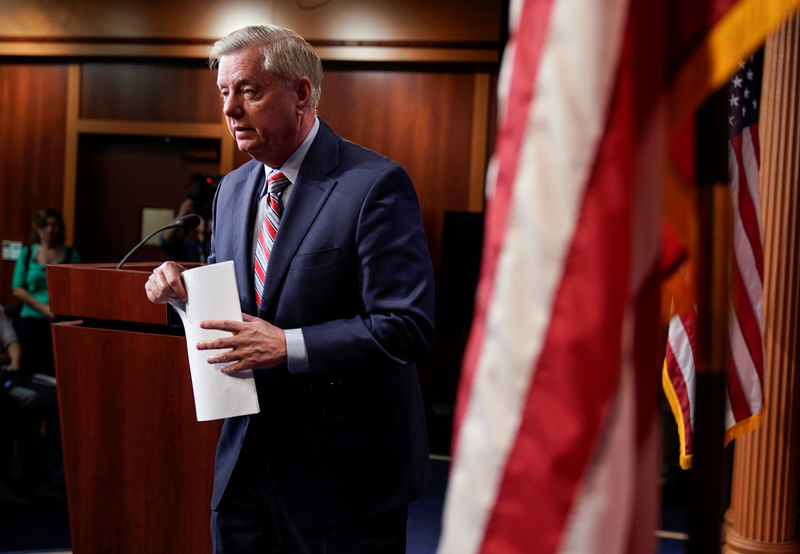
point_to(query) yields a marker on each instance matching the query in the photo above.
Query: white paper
(213, 294)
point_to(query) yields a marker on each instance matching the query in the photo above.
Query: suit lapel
(309, 194)
(243, 219)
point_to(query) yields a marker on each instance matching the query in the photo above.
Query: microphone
(189, 221)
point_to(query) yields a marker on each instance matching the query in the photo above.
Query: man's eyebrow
(246, 80)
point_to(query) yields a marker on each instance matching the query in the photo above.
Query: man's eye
(224, 94)
(249, 91)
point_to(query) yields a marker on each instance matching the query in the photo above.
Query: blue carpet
(424, 514)
(46, 528)
(424, 518)
(43, 527)
(671, 546)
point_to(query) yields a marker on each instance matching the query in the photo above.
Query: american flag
(556, 434)
(556, 405)
(745, 374)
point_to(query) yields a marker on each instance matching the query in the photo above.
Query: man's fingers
(252, 344)
(171, 275)
(234, 368)
(222, 325)
(221, 342)
(229, 357)
(160, 286)
(165, 283)
(216, 344)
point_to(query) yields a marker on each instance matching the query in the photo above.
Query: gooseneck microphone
(189, 221)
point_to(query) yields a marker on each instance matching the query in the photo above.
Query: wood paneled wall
(109, 108)
(158, 90)
(47, 27)
(433, 119)
(120, 175)
(32, 128)
(422, 119)
(120, 172)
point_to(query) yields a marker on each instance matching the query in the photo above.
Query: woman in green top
(30, 287)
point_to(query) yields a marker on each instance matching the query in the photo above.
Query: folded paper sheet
(213, 294)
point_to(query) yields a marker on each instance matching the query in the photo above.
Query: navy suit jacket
(350, 266)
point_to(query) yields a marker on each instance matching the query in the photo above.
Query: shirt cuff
(296, 355)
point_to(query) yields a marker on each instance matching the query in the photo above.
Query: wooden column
(762, 517)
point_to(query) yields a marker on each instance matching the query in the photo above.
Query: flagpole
(713, 212)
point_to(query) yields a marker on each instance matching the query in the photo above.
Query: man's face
(262, 113)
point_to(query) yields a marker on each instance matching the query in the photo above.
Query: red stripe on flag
(682, 394)
(747, 321)
(568, 400)
(756, 145)
(680, 377)
(689, 321)
(646, 356)
(529, 40)
(747, 210)
(738, 400)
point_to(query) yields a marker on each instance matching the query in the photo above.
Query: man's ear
(303, 90)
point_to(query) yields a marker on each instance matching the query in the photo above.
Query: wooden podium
(139, 466)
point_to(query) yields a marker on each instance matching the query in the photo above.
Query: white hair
(286, 54)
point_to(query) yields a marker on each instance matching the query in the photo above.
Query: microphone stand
(189, 221)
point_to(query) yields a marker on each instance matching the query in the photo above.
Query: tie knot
(276, 183)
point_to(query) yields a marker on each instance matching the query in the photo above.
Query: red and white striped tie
(276, 184)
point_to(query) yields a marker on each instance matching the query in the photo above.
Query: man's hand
(165, 284)
(255, 344)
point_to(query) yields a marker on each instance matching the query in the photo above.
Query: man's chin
(246, 146)
(259, 150)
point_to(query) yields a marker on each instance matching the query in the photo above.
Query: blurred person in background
(25, 403)
(30, 287)
(192, 245)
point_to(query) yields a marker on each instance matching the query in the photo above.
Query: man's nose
(231, 107)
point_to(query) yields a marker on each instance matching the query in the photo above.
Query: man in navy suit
(339, 448)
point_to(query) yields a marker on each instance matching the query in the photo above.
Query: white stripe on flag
(571, 96)
(606, 506)
(750, 163)
(730, 421)
(743, 364)
(743, 251)
(682, 349)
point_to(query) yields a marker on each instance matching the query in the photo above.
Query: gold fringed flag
(745, 373)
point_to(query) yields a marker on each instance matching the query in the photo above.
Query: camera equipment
(201, 193)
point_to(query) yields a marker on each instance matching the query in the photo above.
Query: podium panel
(139, 467)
